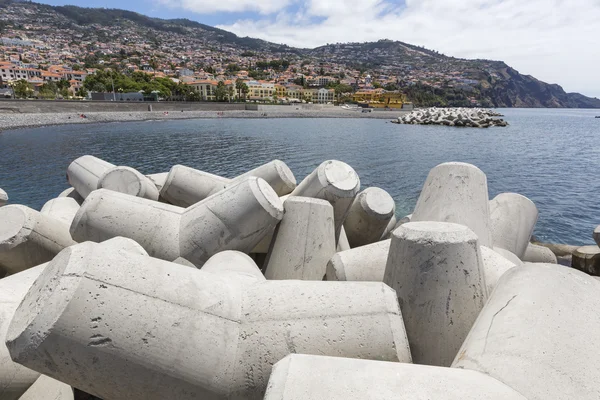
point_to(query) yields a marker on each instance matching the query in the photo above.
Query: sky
(556, 41)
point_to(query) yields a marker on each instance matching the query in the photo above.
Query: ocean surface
(550, 156)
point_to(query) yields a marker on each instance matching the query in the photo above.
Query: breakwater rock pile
(188, 285)
(461, 117)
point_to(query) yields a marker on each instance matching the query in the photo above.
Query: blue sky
(554, 40)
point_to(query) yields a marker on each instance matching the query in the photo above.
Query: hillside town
(38, 60)
(50, 52)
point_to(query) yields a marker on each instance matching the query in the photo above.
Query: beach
(10, 121)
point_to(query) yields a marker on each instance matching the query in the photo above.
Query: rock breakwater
(461, 117)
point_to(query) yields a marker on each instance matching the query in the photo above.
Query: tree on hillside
(238, 86)
(230, 93)
(22, 89)
(48, 90)
(220, 92)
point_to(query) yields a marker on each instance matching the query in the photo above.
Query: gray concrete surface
(303, 241)
(456, 192)
(306, 377)
(537, 334)
(29, 238)
(539, 254)
(438, 275)
(364, 263)
(336, 182)
(129, 181)
(128, 326)
(62, 209)
(512, 220)
(369, 216)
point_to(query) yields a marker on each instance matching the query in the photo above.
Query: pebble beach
(29, 120)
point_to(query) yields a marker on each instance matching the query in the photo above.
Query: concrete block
(3, 198)
(276, 173)
(343, 244)
(62, 209)
(303, 241)
(106, 214)
(597, 235)
(389, 228)
(71, 193)
(437, 272)
(29, 238)
(512, 220)
(158, 179)
(539, 254)
(508, 255)
(186, 186)
(234, 264)
(126, 326)
(587, 259)
(15, 379)
(494, 266)
(542, 319)
(456, 192)
(85, 172)
(335, 182)
(306, 377)
(129, 181)
(46, 388)
(369, 216)
(236, 218)
(364, 263)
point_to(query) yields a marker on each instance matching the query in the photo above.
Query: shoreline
(13, 121)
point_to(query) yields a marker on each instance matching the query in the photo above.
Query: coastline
(11, 121)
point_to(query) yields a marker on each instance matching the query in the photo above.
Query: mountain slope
(429, 77)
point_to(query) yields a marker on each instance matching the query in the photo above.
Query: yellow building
(280, 91)
(379, 98)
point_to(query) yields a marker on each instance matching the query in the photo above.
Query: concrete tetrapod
(29, 238)
(48, 388)
(14, 378)
(534, 334)
(508, 255)
(343, 244)
(129, 181)
(306, 377)
(186, 186)
(235, 263)
(158, 179)
(587, 259)
(158, 330)
(494, 266)
(539, 254)
(335, 182)
(106, 214)
(303, 241)
(62, 209)
(512, 220)
(276, 173)
(389, 228)
(363, 264)
(236, 218)
(369, 216)
(3, 198)
(71, 193)
(456, 192)
(437, 272)
(85, 172)
(597, 235)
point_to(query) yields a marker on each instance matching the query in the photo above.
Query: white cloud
(554, 40)
(213, 6)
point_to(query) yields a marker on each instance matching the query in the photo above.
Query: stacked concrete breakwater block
(121, 319)
(3, 198)
(189, 285)
(459, 117)
(306, 377)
